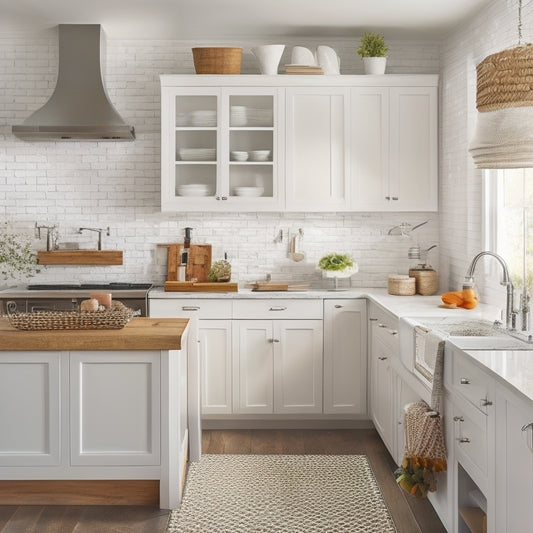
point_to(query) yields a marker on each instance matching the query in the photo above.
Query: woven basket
(217, 60)
(427, 281)
(115, 318)
(401, 285)
(505, 79)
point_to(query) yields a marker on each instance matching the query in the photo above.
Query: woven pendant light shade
(503, 137)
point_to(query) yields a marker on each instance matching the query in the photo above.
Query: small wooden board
(199, 262)
(192, 286)
(263, 286)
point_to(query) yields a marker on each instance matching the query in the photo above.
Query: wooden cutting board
(199, 262)
(191, 286)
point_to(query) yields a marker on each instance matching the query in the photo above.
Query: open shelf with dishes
(222, 144)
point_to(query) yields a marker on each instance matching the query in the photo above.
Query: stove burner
(113, 286)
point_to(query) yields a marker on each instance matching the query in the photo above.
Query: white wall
(117, 184)
(491, 30)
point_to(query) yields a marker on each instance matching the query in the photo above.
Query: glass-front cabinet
(220, 149)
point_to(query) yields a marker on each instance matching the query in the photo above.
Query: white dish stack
(193, 189)
(248, 116)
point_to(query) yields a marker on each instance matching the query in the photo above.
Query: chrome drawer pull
(465, 381)
(458, 419)
(337, 306)
(280, 308)
(373, 319)
(393, 332)
(485, 402)
(525, 427)
(190, 308)
(463, 440)
(273, 340)
(382, 358)
(380, 325)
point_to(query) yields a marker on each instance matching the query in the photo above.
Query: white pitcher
(269, 56)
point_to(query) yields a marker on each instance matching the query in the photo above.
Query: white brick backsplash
(75, 184)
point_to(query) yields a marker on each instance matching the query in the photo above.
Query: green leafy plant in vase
(373, 51)
(335, 265)
(17, 259)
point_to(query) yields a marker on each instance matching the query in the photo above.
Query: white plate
(248, 191)
(197, 154)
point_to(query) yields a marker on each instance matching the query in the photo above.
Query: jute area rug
(282, 494)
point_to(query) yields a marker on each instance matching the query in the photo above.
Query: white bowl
(248, 191)
(238, 155)
(259, 155)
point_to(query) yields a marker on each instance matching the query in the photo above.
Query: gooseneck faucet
(510, 314)
(100, 231)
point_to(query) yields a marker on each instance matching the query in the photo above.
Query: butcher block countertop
(138, 334)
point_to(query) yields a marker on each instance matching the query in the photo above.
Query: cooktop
(113, 286)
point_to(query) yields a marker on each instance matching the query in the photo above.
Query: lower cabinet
(30, 408)
(277, 366)
(345, 367)
(514, 462)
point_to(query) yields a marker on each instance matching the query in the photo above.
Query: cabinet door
(345, 356)
(215, 357)
(413, 148)
(253, 366)
(30, 408)
(316, 155)
(297, 366)
(381, 385)
(115, 408)
(514, 463)
(394, 148)
(369, 123)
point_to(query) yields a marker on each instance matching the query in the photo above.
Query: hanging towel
(425, 448)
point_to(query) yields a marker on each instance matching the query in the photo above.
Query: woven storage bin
(427, 281)
(401, 285)
(217, 60)
(504, 79)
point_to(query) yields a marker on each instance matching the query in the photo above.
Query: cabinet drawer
(277, 309)
(203, 309)
(470, 432)
(470, 382)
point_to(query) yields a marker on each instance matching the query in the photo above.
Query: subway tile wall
(492, 29)
(75, 184)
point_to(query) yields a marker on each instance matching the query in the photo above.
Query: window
(509, 209)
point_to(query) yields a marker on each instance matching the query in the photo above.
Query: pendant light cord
(519, 22)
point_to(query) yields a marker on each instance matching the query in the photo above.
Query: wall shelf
(80, 257)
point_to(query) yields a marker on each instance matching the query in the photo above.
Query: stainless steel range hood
(79, 108)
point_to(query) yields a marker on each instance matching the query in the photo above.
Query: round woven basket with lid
(427, 280)
(217, 60)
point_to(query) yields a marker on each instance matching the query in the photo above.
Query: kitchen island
(97, 416)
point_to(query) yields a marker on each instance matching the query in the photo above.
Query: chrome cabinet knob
(458, 419)
(465, 381)
(463, 440)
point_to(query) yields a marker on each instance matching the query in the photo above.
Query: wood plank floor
(410, 515)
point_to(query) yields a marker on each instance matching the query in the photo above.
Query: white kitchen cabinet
(514, 462)
(278, 366)
(345, 361)
(317, 149)
(394, 164)
(30, 408)
(384, 346)
(200, 128)
(211, 329)
(345, 143)
(115, 408)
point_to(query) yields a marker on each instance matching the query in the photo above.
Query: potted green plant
(17, 259)
(373, 50)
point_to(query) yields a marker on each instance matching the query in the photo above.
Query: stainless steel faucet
(510, 314)
(100, 231)
(51, 236)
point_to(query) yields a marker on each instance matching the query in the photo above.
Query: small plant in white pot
(337, 266)
(373, 50)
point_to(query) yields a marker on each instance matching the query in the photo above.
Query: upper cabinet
(299, 143)
(220, 149)
(394, 148)
(316, 173)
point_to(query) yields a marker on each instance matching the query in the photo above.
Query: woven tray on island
(114, 318)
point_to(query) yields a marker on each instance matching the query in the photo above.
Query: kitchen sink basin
(470, 328)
